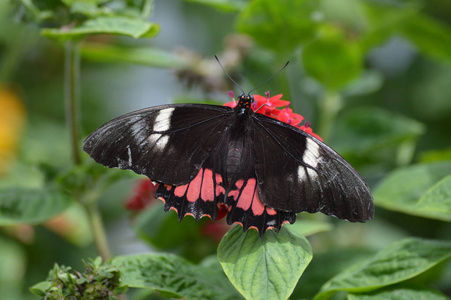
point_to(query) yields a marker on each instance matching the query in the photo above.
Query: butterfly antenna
(270, 78)
(217, 59)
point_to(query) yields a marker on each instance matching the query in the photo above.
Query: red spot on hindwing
(219, 188)
(180, 191)
(204, 195)
(257, 206)
(202, 187)
(208, 189)
(235, 193)
(247, 197)
(194, 187)
(271, 211)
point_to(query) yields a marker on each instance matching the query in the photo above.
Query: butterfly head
(245, 101)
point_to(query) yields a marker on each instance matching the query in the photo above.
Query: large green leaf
(429, 35)
(332, 59)
(422, 190)
(30, 206)
(279, 25)
(398, 262)
(397, 292)
(143, 56)
(133, 27)
(309, 227)
(172, 274)
(267, 267)
(365, 129)
(383, 20)
(326, 265)
(224, 5)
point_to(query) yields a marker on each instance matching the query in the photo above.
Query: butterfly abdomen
(233, 158)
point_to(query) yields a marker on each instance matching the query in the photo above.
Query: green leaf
(133, 9)
(279, 25)
(136, 28)
(436, 202)
(421, 190)
(40, 288)
(37, 14)
(142, 56)
(384, 20)
(30, 206)
(87, 8)
(401, 292)
(366, 129)
(429, 35)
(165, 232)
(172, 274)
(369, 82)
(13, 266)
(398, 262)
(332, 59)
(264, 268)
(349, 14)
(326, 265)
(308, 227)
(224, 5)
(88, 181)
(436, 155)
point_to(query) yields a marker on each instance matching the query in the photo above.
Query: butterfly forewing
(166, 143)
(296, 172)
(206, 157)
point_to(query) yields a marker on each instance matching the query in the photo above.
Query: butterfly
(205, 157)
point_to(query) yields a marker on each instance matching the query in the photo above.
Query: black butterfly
(207, 156)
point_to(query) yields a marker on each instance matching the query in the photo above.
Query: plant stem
(71, 84)
(98, 231)
(330, 105)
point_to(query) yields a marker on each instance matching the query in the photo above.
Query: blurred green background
(373, 77)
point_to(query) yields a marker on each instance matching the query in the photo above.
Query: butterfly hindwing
(243, 200)
(167, 143)
(200, 197)
(233, 184)
(247, 209)
(297, 172)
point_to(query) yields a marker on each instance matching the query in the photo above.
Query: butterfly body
(205, 156)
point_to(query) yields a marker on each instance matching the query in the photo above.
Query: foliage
(97, 282)
(372, 76)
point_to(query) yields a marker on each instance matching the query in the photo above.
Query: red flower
(143, 195)
(233, 103)
(309, 130)
(266, 105)
(287, 115)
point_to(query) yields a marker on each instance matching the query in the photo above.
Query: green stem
(71, 84)
(98, 231)
(330, 105)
